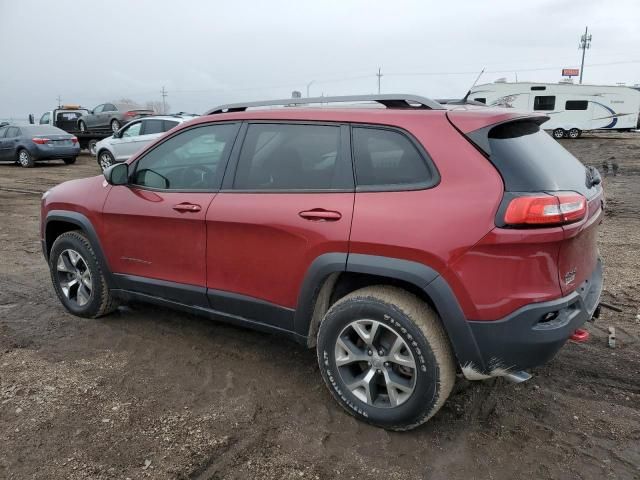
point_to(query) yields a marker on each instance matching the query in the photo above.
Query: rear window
(529, 160)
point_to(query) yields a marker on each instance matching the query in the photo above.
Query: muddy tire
(385, 357)
(77, 277)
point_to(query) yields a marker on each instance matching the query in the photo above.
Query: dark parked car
(110, 116)
(404, 244)
(30, 143)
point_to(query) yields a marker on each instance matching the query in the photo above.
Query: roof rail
(388, 100)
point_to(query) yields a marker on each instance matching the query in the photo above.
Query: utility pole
(585, 43)
(59, 100)
(379, 75)
(164, 102)
(308, 85)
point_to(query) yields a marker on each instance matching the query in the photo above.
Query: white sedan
(133, 137)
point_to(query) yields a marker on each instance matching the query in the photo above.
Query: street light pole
(308, 85)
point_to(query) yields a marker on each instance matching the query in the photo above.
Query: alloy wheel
(74, 277)
(375, 363)
(105, 161)
(23, 158)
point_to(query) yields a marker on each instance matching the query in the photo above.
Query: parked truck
(66, 118)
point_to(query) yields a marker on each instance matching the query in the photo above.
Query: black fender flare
(85, 225)
(420, 275)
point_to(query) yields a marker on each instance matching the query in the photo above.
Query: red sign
(570, 72)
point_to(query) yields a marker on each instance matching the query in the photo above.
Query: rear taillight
(546, 209)
(74, 140)
(40, 141)
(130, 114)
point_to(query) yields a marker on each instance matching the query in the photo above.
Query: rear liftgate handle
(320, 215)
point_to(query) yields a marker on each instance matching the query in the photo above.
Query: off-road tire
(25, 159)
(70, 161)
(417, 324)
(101, 301)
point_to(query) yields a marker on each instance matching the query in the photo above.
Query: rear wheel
(70, 161)
(115, 125)
(558, 133)
(385, 357)
(105, 160)
(91, 146)
(574, 133)
(25, 159)
(77, 278)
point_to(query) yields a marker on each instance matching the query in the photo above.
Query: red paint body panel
(143, 235)
(258, 245)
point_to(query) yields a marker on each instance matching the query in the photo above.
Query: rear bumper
(45, 152)
(524, 339)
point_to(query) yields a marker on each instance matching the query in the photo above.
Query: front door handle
(320, 214)
(187, 207)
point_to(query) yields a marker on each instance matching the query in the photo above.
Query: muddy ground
(149, 393)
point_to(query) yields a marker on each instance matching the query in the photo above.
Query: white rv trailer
(571, 108)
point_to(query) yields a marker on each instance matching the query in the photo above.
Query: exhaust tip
(517, 377)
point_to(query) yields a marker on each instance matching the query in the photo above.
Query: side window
(109, 107)
(152, 126)
(3, 131)
(132, 130)
(169, 124)
(481, 100)
(12, 132)
(191, 160)
(387, 158)
(576, 105)
(44, 119)
(98, 109)
(291, 157)
(544, 102)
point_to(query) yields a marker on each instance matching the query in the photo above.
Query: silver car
(133, 137)
(110, 116)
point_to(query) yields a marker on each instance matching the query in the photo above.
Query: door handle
(187, 207)
(320, 214)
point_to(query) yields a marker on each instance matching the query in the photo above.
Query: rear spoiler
(476, 128)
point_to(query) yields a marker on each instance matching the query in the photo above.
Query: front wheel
(115, 125)
(574, 133)
(77, 277)
(558, 133)
(385, 357)
(91, 146)
(105, 160)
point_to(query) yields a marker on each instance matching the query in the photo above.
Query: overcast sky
(211, 52)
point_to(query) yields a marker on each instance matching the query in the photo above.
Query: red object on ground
(580, 335)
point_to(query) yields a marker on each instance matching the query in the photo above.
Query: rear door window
(152, 126)
(12, 132)
(292, 157)
(386, 158)
(169, 124)
(544, 102)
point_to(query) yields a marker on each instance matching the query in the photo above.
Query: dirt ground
(150, 393)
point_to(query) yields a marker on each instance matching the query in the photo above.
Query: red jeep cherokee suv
(405, 243)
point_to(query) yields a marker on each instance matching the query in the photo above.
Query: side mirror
(32, 119)
(117, 174)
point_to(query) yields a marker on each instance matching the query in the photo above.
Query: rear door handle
(187, 207)
(320, 214)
